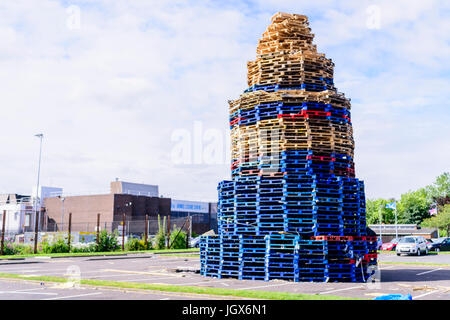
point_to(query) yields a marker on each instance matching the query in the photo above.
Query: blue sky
(110, 93)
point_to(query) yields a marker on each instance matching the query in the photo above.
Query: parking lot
(399, 275)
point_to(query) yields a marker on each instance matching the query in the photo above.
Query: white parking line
(109, 276)
(61, 273)
(387, 267)
(426, 294)
(75, 296)
(19, 269)
(344, 289)
(41, 293)
(34, 293)
(140, 279)
(32, 270)
(143, 273)
(41, 288)
(419, 274)
(270, 285)
(190, 283)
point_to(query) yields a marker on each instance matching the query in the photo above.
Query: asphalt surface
(442, 258)
(31, 290)
(421, 281)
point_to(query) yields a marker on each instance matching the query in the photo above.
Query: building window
(27, 221)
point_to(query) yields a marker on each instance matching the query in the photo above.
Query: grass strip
(252, 294)
(431, 253)
(415, 263)
(181, 255)
(88, 254)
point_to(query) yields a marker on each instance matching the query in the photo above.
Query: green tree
(413, 207)
(440, 221)
(439, 191)
(372, 211)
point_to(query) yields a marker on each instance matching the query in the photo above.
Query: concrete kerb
(178, 252)
(137, 255)
(116, 258)
(21, 262)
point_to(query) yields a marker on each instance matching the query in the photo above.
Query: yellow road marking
(142, 272)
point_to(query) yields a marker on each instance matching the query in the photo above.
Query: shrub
(84, 247)
(180, 241)
(159, 241)
(23, 249)
(59, 246)
(135, 245)
(160, 238)
(9, 248)
(107, 242)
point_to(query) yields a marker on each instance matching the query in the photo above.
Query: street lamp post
(40, 136)
(128, 204)
(379, 211)
(62, 213)
(396, 226)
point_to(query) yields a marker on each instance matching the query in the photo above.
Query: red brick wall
(84, 210)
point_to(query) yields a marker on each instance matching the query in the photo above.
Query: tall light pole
(40, 136)
(62, 213)
(396, 225)
(379, 212)
(128, 204)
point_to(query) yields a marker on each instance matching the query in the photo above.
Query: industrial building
(132, 199)
(388, 231)
(203, 214)
(20, 209)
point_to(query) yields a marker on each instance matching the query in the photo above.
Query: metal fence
(125, 229)
(132, 227)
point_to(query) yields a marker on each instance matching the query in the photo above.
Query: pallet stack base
(288, 257)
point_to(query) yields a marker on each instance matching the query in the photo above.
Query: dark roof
(402, 229)
(12, 197)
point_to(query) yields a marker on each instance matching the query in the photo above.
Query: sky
(138, 90)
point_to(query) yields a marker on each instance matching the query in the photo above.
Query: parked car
(441, 244)
(379, 243)
(412, 245)
(429, 244)
(195, 242)
(390, 246)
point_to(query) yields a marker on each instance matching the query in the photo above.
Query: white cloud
(109, 95)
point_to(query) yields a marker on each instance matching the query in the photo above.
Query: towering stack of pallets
(293, 209)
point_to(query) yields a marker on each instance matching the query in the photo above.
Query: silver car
(412, 245)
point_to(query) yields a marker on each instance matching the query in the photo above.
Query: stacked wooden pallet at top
(283, 134)
(286, 56)
(294, 209)
(292, 96)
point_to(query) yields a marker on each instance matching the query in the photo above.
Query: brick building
(132, 199)
(111, 207)
(388, 231)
